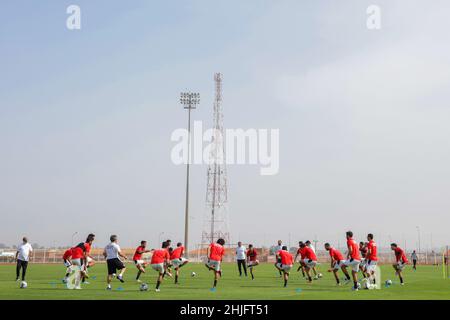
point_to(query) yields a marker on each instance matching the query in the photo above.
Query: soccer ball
(23, 285)
(193, 274)
(388, 282)
(143, 287)
(318, 276)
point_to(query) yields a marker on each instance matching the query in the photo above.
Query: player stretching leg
(79, 260)
(401, 259)
(371, 258)
(137, 258)
(67, 263)
(177, 260)
(168, 266)
(252, 259)
(299, 253)
(337, 262)
(160, 261)
(353, 258)
(89, 261)
(285, 266)
(215, 254)
(112, 253)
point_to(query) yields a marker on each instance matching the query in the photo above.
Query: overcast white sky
(86, 118)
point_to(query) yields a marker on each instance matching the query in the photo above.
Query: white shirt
(112, 251)
(24, 250)
(278, 248)
(312, 248)
(241, 253)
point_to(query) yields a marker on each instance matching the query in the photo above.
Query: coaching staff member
(112, 253)
(23, 254)
(241, 258)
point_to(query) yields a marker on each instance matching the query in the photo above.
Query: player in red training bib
(79, 263)
(252, 259)
(137, 258)
(363, 253)
(160, 261)
(89, 261)
(310, 245)
(309, 259)
(300, 252)
(169, 265)
(401, 261)
(353, 258)
(337, 262)
(215, 254)
(371, 259)
(177, 260)
(285, 265)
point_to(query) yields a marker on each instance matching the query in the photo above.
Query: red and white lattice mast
(216, 222)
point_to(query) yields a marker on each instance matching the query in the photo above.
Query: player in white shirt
(414, 259)
(23, 254)
(241, 258)
(112, 253)
(309, 244)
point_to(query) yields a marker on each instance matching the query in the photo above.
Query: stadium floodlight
(189, 100)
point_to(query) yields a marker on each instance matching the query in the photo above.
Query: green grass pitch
(44, 282)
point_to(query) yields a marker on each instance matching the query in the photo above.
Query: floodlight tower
(216, 224)
(189, 100)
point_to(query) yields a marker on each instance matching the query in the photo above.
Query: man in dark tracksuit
(241, 258)
(23, 254)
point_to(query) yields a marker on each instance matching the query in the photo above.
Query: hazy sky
(86, 118)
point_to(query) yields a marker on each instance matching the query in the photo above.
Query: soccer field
(44, 282)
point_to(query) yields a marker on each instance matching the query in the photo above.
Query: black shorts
(22, 263)
(114, 265)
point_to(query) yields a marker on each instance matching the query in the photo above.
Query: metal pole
(418, 238)
(186, 215)
(213, 203)
(418, 232)
(189, 100)
(431, 241)
(159, 239)
(73, 235)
